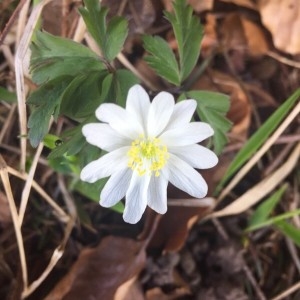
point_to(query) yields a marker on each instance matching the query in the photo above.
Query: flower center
(147, 155)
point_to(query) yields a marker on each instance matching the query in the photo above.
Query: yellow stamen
(147, 155)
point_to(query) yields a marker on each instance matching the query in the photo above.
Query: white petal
(105, 165)
(115, 188)
(157, 194)
(184, 177)
(160, 112)
(136, 198)
(104, 137)
(182, 114)
(187, 134)
(197, 156)
(138, 104)
(119, 119)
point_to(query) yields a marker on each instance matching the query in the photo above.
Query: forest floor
(87, 252)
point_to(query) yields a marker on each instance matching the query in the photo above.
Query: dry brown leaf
(130, 290)
(198, 6)
(240, 111)
(210, 39)
(240, 33)
(157, 294)
(98, 272)
(256, 40)
(141, 14)
(282, 18)
(174, 226)
(245, 3)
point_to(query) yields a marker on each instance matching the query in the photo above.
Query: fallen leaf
(157, 294)
(129, 290)
(210, 40)
(98, 272)
(141, 14)
(282, 18)
(240, 111)
(256, 40)
(245, 3)
(198, 6)
(174, 226)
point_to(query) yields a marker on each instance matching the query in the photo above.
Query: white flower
(148, 145)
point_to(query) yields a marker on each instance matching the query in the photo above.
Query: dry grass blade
(288, 292)
(252, 196)
(15, 218)
(17, 221)
(19, 69)
(294, 113)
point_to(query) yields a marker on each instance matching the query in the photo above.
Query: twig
(11, 21)
(15, 218)
(284, 60)
(287, 292)
(255, 285)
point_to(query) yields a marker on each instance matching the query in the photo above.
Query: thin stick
(28, 184)
(244, 170)
(287, 292)
(20, 84)
(63, 216)
(11, 21)
(15, 218)
(255, 285)
(7, 122)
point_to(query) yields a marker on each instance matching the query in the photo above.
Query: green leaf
(274, 220)
(212, 108)
(264, 210)
(51, 141)
(92, 192)
(7, 96)
(259, 137)
(162, 59)
(56, 56)
(188, 32)
(115, 86)
(110, 36)
(72, 142)
(82, 96)
(123, 81)
(44, 102)
(290, 231)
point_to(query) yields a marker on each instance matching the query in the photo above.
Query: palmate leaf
(82, 96)
(55, 56)
(110, 36)
(116, 85)
(162, 59)
(45, 102)
(188, 32)
(212, 108)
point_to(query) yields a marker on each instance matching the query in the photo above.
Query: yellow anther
(147, 156)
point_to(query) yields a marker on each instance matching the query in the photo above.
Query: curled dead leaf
(245, 3)
(98, 272)
(282, 18)
(240, 111)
